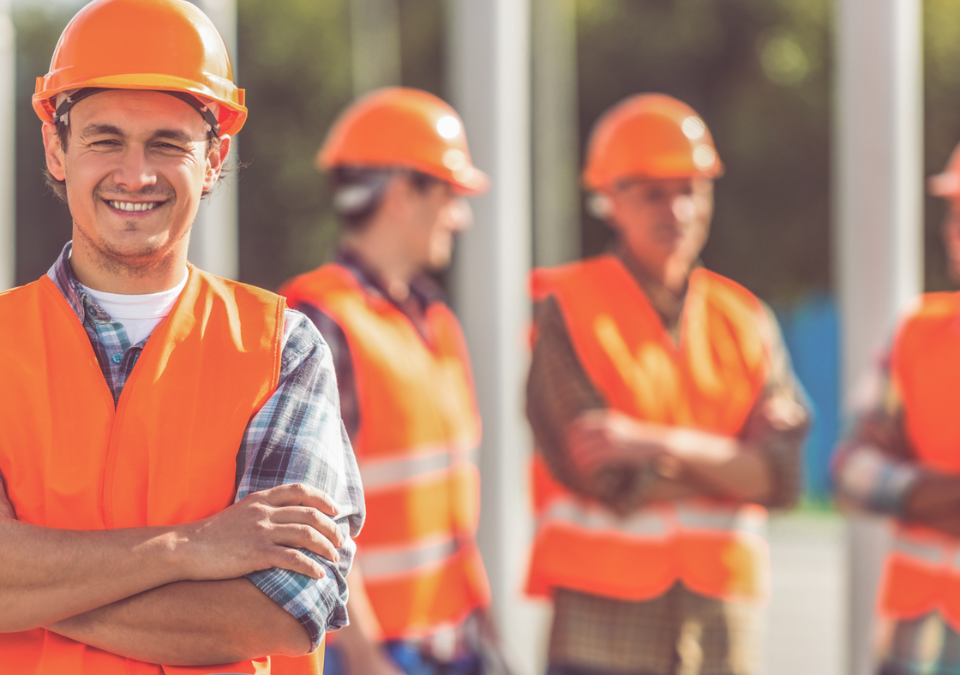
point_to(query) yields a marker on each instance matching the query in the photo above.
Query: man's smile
(133, 207)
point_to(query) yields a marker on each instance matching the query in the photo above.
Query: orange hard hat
(400, 127)
(162, 45)
(947, 183)
(649, 136)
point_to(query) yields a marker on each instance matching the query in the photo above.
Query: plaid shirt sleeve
(874, 467)
(298, 437)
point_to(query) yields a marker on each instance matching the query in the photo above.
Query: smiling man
(666, 415)
(179, 488)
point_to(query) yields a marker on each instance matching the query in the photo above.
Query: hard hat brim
(233, 113)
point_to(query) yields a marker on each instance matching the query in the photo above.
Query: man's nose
(461, 214)
(134, 171)
(683, 208)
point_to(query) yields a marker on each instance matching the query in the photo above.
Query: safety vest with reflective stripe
(416, 446)
(922, 571)
(165, 454)
(710, 382)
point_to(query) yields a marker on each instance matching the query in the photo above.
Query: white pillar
(878, 213)
(490, 84)
(556, 186)
(8, 135)
(374, 44)
(214, 242)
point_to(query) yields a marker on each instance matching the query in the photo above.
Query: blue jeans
(408, 658)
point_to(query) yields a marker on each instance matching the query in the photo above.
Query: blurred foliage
(941, 56)
(294, 64)
(757, 70)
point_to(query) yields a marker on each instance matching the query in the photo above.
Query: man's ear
(215, 160)
(56, 162)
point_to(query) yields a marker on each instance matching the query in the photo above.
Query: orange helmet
(947, 183)
(649, 136)
(399, 127)
(163, 45)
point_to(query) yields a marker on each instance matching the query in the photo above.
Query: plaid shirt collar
(63, 277)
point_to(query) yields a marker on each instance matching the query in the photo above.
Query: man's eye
(169, 146)
(104, 143)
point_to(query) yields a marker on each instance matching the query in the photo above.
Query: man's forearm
(191, 623)
(722, 466)
(49, 574)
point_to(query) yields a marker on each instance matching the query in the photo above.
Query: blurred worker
(665, 414)
(902, 459)
(179, 489)
(400, 168)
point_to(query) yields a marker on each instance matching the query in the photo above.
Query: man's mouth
(133, 206)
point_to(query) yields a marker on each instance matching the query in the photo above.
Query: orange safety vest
(167, 453)
(416, 447)
(709, 382)
(922, 571)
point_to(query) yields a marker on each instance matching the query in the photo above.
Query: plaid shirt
(874, 469)
(296, 437)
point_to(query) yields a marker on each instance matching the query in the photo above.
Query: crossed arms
(172, 595)
(625, 463)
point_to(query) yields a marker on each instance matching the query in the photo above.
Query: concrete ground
(806, 619)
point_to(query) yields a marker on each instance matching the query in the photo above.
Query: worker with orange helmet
(666, 417)
(178, 489)
(901, 459)
(401, 170)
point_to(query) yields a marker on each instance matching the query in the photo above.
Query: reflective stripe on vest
(923, 567)
(415, 446)
(414, 465)
(165, 455)
(572, 512)
(710, 381)
(390, 562)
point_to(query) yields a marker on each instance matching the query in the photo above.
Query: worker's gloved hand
(6, 508)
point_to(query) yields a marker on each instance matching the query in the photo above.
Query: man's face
(435, 215)
(662, 222)
(136, 166)
(951, 238)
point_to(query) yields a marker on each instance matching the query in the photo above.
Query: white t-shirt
(138, 314)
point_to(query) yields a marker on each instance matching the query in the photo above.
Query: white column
(878, 213)
(8, 135)
(214, 242)
(374, 44)
(490, 83)
(556, 186)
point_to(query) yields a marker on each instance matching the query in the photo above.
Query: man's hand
(599, 438)
(264, 530)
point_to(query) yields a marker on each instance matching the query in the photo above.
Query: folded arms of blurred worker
(624, 463)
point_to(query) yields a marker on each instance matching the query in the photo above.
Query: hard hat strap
(62, 113)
